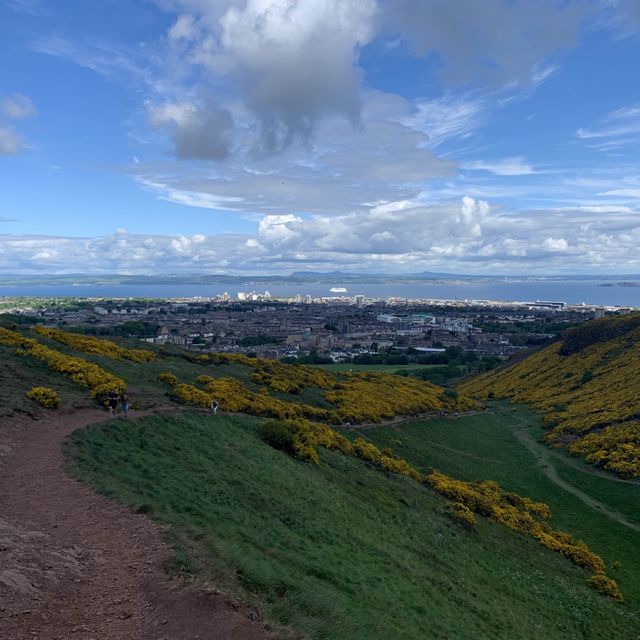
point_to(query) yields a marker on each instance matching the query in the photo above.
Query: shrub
(605, 585)
(192, 395)
(45, 397)
(461, 514)
(168, 378)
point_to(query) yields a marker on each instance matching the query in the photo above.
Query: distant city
(337, 327)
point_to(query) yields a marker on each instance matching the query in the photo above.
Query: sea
(571, 292)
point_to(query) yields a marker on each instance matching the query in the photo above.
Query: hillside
(304, 517)
(588, 388)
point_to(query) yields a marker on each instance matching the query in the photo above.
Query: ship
(338, 290)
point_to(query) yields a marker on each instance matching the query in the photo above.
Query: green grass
(341, 367)
(340, 550)
(485, 446)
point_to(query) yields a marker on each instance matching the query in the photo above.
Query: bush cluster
(287, 378)
(89, 344)
(232, 395)
(375, 396)
(86, 374)
(358, 398)
(189, 394)
(45, 397)
(301, 438)
(167, 378)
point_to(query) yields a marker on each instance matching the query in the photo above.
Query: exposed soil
(73, 564)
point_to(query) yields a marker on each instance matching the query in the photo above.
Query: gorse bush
(287, 378)
(590, 397)
(375, 396)
(167, 378)
(99, 346)
(605, 585)
(461, 514)
(189, 394)
(45, 397)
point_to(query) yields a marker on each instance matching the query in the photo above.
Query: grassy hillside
(358, 544)
(338, 550)
(588, 388)
(503, 444)
(239, 383)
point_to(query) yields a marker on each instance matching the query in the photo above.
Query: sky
(272, 136)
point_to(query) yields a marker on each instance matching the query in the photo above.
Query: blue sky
(228, 136)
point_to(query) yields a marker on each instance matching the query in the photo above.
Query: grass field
(503, 445)
(341, 550)
(341, 367)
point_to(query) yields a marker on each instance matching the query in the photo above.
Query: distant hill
(588, 387)
(302, 277)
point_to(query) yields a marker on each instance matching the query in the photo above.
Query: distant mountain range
(331, 277)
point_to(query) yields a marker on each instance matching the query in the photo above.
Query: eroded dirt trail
(76, 565)
(545, 460)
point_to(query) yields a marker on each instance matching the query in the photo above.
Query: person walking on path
(124, 403)
(214, 407)
(113, 402)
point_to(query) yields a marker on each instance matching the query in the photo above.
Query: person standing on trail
(124, 403)
(113, 402)
(214, 407)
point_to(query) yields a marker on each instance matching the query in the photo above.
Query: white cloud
(384, 161)
(200, 130)
(450, 117)
(293, 62)
(458, 236)
(10, 142)
(17, 106)
(555, 244)
(517, 166)
(616, 129)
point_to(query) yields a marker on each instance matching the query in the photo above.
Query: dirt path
(76, 565)
(543, 457)
(403, 419)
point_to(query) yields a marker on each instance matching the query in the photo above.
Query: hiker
(214, 407)
(124, 403)
(113, 402)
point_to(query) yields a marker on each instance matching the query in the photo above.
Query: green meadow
(339, 550)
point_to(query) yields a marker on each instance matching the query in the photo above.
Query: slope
(337, 550)
(588, 388)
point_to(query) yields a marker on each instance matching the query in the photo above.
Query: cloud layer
(469, 236)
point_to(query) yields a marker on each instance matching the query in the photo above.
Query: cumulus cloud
(200, 131)
(17, 106)
(385, 160)
(464, 236)
(293, 62)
